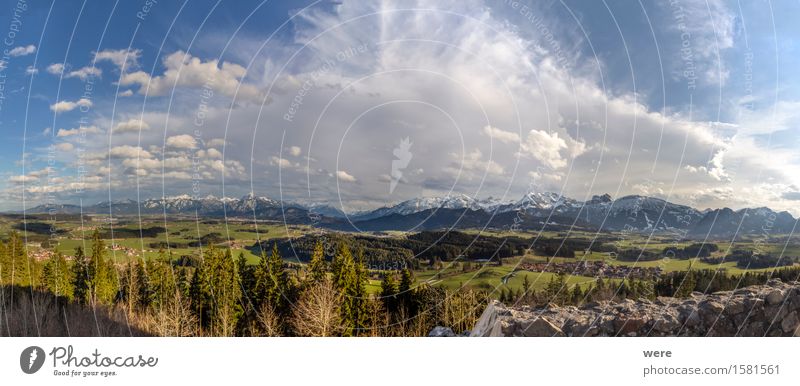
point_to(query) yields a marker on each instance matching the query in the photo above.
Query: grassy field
(494, 278)
(240, 235)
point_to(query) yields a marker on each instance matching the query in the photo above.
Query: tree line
(223, 295)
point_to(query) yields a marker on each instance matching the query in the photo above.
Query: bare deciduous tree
(317, 312)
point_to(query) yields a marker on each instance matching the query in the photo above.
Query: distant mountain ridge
(533, 211)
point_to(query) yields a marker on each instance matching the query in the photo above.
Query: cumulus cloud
(83, 73)
(183, 141)
(130, 126)
(22, 179)
(500, 135)
(124, 59)
(64, 106)
(125, 93)
(280, 162)
(545, 147)
(127, 151)
(65, 146)
(30, 70)
(184, 70)
(345, 176)
(55, 68)
(295, 151)
(79, 130)
(215, 142)
(22, 50)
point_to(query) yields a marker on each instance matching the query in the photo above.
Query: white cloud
(183, 70)
(344, 176)
(22, 179)
(501, 135)
(130, 126)
(55, 68)
(65, 106)
(124, 59)
(142, 163)
(127, 151)
(76, 131)
(295, 151)
(183, 141)
(31, 70)
(215, 142)
(22, 50)
(125, 93)
(474, 163)
(84, 72)
(280, 162)
(213, 153)
(545, 147)
(65, 146)
(181, 162)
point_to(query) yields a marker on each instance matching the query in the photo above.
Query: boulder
(772, 309)
(440, 331)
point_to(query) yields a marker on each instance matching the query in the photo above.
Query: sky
(362, 104)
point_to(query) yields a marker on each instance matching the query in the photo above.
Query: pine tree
(405, 290)
(577, 295)
(261, 279)
(272, 280)
(102, 275)
(224, 291)
(348, 281)
(57, 277)
(199, 294)
(526, 287)
(316, 267)
(81, 277)
(247, 277)
(18, 268)
(134, 285)
(161, 280)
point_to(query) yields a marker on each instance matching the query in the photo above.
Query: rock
(790, 323)
(666, 323)
(763, 310)
(440, 331)
(627, 325)
(734, 307)
(486, 323)
(538, 327)
(774, 297)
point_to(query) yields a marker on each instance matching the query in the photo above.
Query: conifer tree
(81, 277)
(161, 280)
(279, 280)
(224, 291)
(199, 294)
(134, 286)
(57, 277)
(17, 267)
(316, 267)
(102, 275)
(406, 284)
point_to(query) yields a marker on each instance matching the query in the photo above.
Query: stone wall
(772, 309)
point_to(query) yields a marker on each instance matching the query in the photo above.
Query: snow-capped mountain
(535, 209)
(416, 205)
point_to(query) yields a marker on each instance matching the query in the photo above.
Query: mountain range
(533, 211)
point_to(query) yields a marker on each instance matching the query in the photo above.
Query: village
(593, 269)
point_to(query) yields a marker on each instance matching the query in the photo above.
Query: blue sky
(695, 102)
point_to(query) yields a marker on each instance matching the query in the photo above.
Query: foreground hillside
(772, 309)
